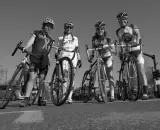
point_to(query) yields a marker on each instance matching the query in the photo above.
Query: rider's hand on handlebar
(99, 46)
(91, 59)
(134, 44)
(24, 49)
(56, 55)
(79, 63)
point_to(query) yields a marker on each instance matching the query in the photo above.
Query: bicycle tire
(85, 88)
(54, 83)
(158, 91)
(101, 80)
(122, 88)
(132, 63)
(10, 89)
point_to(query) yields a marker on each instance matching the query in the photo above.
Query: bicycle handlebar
(127, 45)
(18, 45)
(116, 43)
(56, 47)
(95, 49)
(21, 48)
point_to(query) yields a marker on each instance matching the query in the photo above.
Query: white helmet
(48, 20)
(68, 24)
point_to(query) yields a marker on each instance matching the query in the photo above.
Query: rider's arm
(110, 43)
(137, 35)
(59, 44)
(49, 56)
(30, 41)
(120, 42)
(119, 39)
(93, 46)
(77, 48)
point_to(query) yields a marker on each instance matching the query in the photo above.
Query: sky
(20, 17)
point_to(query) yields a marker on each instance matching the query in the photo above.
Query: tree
(3, 74)
(148, 70)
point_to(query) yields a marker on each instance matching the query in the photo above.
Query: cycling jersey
(41, 40)
(130, 30)
(128, 35)
(41, 47)
(97, 43)
(69, 44)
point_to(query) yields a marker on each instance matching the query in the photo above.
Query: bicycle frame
(57, 65)
(98, 59)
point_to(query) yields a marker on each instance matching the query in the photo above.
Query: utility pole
(6, 76)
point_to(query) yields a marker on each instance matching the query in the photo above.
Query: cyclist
(129, 34)
(41, 43)
(69, 43)
(100, 39)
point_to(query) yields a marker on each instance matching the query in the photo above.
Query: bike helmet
(122, 15)
(48, 20)
(100, 25)
(68, 24)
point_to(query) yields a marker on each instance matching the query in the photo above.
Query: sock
(27, 98)
(112, 93)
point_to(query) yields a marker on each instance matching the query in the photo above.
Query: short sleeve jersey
(41, 47)
(42, 44)
(68, 43)
(96, 43)
(128, 30)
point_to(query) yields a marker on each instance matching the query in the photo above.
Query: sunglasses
(100, 29)
(69, 27)
(122, 19)
(49, 25)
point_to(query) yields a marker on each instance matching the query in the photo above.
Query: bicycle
(60, 87)
(102, 77)
(18, 80)
(129, 79)
(87, 88)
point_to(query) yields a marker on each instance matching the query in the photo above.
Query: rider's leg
(42, 76)
(29, 86)
(109, 72)
(93, 75)
(74, 62)
(66, 74)
(72, 89)
(20, 89)
(141, 70)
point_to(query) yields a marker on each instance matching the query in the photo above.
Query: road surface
(119, 115)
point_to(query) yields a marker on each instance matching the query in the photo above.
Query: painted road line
(30, 117)
(12, 112)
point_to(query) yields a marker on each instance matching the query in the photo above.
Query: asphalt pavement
(118, 115)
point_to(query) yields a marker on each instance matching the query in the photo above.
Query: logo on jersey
(47, 40)
(127, 37)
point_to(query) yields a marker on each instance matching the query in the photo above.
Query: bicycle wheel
(86, 87)
(9, 91)
(133, 80)
(123, 81)
(102, 80)
(62, 81)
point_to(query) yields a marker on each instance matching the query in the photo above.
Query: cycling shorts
(34, 67)
(139, 55)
